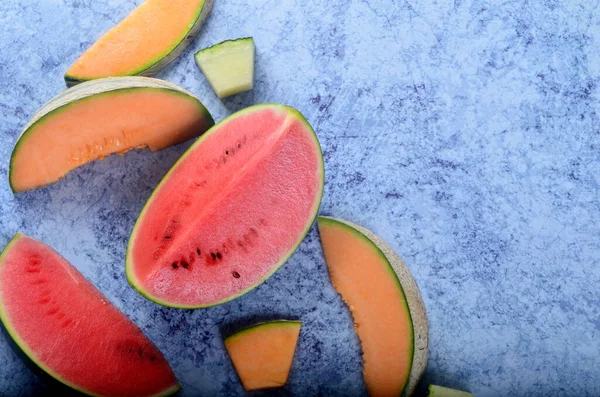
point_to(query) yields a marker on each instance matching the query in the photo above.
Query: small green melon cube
(228, 66)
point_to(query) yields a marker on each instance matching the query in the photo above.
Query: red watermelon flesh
(230, 212)
(70, 330)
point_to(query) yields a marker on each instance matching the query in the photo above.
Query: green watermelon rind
(291, 112)
(29, 356)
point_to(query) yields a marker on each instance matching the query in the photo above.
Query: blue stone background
(466, 133)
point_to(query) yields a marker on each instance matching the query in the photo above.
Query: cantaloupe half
(263, 354)
(148, 39)
(99, 118)
(388, 311)
(440, 391)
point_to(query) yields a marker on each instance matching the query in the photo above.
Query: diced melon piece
(440, 391)
(228, 66)
(385, 302)
(263, 354)
(146, 41)
(99, 118)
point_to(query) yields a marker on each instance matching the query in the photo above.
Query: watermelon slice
(230, 211)
(68, 329)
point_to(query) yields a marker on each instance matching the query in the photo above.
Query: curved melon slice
(99, 118)
(146, 41)
(263, 354)
(230, 212)
(385, 302)
(68, 329)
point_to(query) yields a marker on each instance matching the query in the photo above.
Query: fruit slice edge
(440, 391)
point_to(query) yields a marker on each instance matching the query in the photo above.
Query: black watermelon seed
(185, 265)
(213, 256)
(219, 255)
(236, 275)
(167, 237)
(175, 265)
(198, 251)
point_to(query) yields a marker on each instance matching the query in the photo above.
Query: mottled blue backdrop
(466, 133)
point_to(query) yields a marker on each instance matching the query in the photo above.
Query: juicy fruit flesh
(366, 282)
(263, 355)
(228, 66)
(148, 34)
(229, 212)
(97, 126)
(65, 324)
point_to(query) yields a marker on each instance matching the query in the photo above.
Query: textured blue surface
(466, 133)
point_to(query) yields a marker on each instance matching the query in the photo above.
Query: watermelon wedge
(230, 212)
(64, 326)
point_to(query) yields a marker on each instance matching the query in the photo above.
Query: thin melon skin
(412, 293)
(129, 255)
(52, 380)
(440, 391)
(92, 89)
(265, 324)
(160, 63)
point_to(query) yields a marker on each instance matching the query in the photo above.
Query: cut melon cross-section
(99, 118)
(65, 328)
(146, 41)
(385, 302)
(228, 66)
(263, 354)
(230, 212)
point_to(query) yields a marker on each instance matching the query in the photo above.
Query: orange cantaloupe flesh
(367, 283)
(142, 39)
(97, 126)
(263, 354)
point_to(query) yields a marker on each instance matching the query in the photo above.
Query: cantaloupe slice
(440, 391)
(388, 311)
(148, 39)
(228, 66)
(263, 354)
(99, 118)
